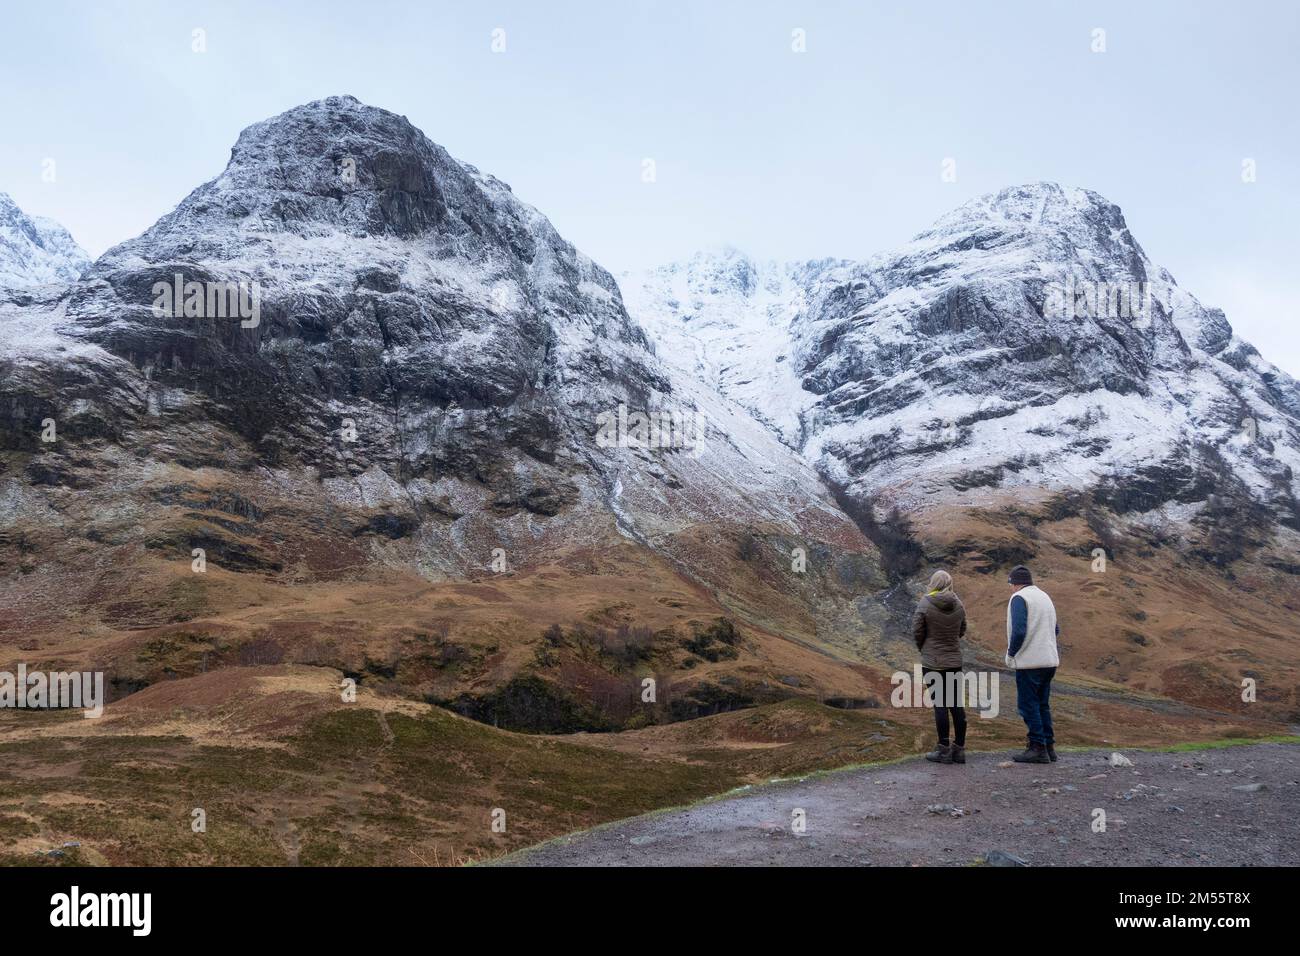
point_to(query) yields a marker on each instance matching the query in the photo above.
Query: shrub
(714, 643)
(260, 651)
(748, 548)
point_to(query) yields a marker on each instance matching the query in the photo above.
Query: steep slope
(391, 427)
(730, 322)
(1025, 340)
(1021, 383)
(353, 365)
(35, 250)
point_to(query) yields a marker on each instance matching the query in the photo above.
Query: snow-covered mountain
(382, 400)
(405, 339)
(1024, 340)
(728, 321)
(35, 250)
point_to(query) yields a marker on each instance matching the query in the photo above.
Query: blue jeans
(1033, 687)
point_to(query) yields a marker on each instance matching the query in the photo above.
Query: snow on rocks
(1023, 340)
(35, 250)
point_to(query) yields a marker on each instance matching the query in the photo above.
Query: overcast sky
(836, 151)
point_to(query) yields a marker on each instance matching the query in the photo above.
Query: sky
(838, 150)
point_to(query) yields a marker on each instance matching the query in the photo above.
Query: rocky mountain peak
(725, 269)
(420, 340)
(345, 164)
(339, 167)
(1042, 203)
(1066, 228)
(1024, 339)
(383, 267)
(35, 250)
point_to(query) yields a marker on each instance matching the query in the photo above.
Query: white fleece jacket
(1039, 647)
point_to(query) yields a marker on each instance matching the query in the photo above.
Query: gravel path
(1229, 806)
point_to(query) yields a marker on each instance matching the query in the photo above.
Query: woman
(937, 628)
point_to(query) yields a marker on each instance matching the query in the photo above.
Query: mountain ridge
(429, 459)
(35, 250)
(420, 394)
(864, 343)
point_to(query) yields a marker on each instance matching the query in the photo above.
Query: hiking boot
(958, 753)
(942, 755)
(1034, 753)
(1051, 753)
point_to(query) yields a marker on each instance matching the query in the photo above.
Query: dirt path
(1168, 809)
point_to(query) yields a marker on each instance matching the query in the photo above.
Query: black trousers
(945, 703)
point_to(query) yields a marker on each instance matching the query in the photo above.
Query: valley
(401, 477)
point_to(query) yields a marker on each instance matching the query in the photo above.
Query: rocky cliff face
(352, 372)
(396, 288)
(350, 351)
(1025, 340)
(35, 250)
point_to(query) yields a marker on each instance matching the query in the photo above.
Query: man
(1031, 649)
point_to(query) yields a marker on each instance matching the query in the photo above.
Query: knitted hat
(1020, 575)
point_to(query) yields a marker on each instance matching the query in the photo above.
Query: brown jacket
(937, 628)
